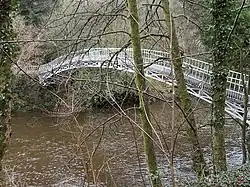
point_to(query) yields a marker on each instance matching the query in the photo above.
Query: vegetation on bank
(236, 177)
(30, 96)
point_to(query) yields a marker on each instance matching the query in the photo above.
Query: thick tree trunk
(6, 52)
(219, 97)
(221, 29)
(140, 83)
(199, 164)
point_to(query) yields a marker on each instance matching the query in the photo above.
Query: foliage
(239, 40)
(34, 11)
(29, 96)
(238, 177)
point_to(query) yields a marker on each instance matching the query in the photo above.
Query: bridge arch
(157, 66)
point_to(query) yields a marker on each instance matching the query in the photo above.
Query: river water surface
(46, 151)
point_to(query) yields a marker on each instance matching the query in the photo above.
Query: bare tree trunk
(172, 172)
(6, 52)
(199, 164)
(140, 83)
(244, 123)
(248, 144)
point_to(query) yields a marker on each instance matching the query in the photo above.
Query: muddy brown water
(46, 151)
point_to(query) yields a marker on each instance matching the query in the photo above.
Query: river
(46, 151)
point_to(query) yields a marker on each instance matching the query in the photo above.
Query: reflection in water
(48, 152)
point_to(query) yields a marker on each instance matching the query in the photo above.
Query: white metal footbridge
(157, 66)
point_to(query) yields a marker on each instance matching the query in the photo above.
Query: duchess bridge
(157, 66)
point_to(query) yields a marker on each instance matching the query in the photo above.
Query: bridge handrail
(196, 70)
(199, 68)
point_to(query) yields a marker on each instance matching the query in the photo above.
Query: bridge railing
(202, 71)
(197, 73)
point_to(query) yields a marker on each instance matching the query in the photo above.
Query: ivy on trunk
(221, 24)
(6, 53)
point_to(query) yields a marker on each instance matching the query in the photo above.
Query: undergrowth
(237, 177)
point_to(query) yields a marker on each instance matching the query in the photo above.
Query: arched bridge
(157, 66)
